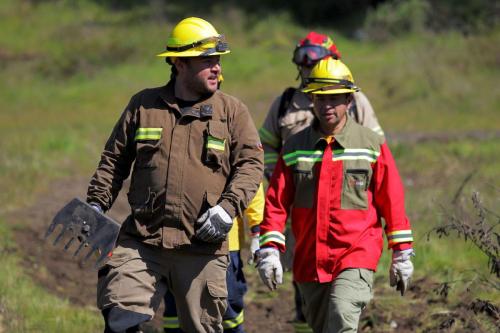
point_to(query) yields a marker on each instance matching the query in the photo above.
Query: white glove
(401, 270)
(254, 247)
(214, 225)
(269, 266)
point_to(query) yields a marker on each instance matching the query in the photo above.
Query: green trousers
(336, 306)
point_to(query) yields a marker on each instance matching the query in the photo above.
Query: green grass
(68, 74)
(27, 307)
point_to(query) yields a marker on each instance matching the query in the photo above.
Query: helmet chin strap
(299, 76)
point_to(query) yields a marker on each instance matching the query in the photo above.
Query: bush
(469, 16)
(478, 225)
(394, 18)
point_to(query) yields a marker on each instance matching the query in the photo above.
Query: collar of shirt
(342, 138)
(201, 108)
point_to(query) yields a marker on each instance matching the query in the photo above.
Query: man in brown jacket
(197, 162)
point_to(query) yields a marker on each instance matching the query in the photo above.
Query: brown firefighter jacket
(185, 162)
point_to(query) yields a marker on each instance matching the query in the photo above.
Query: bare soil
(62, 275)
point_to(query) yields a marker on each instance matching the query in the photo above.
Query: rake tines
(90, 228)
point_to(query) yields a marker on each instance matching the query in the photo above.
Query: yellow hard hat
(330, 76)
(195, 37)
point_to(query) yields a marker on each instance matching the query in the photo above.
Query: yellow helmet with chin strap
(330, 76)
(195, 37)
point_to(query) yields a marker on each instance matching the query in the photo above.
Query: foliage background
(430, 69)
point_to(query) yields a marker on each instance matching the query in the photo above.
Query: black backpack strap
(353, 110)
(286, 99)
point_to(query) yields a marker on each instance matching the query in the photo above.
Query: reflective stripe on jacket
(184, 163)
(337, 193)
(276, 130)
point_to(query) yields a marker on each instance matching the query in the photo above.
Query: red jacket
(337, 193)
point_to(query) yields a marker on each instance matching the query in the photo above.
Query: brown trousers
(138, 275)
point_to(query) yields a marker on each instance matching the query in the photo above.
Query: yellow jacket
(253, 215)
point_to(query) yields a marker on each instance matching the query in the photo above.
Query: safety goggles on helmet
(209, 45)
(308, 55)
(324, 85)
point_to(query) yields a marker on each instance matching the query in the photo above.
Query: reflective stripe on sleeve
(270, 158)
(399, 236)
(272, 236)
(171, 322)
(302, 327)
(269, 138)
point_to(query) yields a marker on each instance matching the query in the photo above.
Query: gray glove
(254, 247)
(214, 225)
(269, 266)
(401, 270)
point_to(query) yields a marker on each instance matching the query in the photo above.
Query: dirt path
(59, 273)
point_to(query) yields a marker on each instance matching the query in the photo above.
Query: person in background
(336, 179)
(292, 111)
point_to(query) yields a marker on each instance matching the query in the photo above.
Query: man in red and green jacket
(336, 179)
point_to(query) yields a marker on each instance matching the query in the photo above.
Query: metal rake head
(87, 227)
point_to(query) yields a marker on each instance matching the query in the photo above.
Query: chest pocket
(148, 141)
(355, 187)
(305, 185)
(216, 145)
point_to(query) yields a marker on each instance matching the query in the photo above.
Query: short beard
(199, 86)
(193, 83)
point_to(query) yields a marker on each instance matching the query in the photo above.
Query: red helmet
(314, 48)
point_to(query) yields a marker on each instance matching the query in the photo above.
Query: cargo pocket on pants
(108, 277)
(215, 304)
(366, 276)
